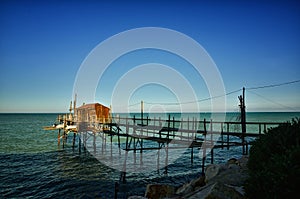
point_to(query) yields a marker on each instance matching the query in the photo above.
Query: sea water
(33, 165)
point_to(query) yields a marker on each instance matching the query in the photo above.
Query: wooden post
(141, 152)
(160, 127)
(173, 122)
(74, 137)
(212, 155)
(243, 111)
(222, 137)
(94, 142)
(147, 129)
(64, 138)
(227, 136)
(204, 147)
(168, 127)
(134, 145)
(119, 142)
(243, 117)
(158, 154)
(83, 141)
(193, 137)
(181, 127)
(123, 173)
(204, 126)
(188, 127)
(70, 109)
(79, 142)
(127, 135)
(192, 154)
(74, 104)
(64, 135)
(116, 190)
(195, 128)
(142, 112)
(211, 131)
(167, 159)
(58, 137)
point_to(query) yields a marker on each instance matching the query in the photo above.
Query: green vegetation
(274, 163)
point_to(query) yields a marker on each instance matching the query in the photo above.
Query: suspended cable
(195, 101)
(138, 103)
(274, 102)
(272, 85)
(229, 93)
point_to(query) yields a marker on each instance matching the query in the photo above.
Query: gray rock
(159, 191)
(185, 189)
(234, 166)
(234, 172)
(191, 186)
(217, 191)
(212, 170)
(232, 161)
(221, 181)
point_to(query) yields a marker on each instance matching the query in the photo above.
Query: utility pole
(243, 117)
(243, 111)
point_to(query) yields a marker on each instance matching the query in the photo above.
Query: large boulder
(191, 186)
(217, 191)
(223, 180)
(159, 191)
(234, 172)
(213, 170)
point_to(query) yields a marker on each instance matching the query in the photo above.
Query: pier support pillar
(58, 137)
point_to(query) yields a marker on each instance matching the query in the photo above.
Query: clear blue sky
(43, 43)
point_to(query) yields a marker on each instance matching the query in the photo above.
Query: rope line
(272, 101)
(273, 85)
(138, 103)
(229, 93)
(189, 102)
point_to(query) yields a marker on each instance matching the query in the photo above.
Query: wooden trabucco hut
(93, 113)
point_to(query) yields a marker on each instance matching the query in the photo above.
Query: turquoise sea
(33, 165)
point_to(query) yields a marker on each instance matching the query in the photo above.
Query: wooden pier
(141, 134)
(136, 136)
(130, 134)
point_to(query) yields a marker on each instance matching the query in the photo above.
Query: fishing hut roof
(92, 106)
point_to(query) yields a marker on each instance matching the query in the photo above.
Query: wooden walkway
(131, 134)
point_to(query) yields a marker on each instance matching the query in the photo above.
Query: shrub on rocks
(274, 163)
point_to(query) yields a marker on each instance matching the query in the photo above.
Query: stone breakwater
(221, 181)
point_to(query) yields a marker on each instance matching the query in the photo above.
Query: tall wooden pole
(142, 111)
(70, 109)
(243, 117)
(243, 113)
(74, 104)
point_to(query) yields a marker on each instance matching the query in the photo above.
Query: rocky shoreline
(221, 181)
